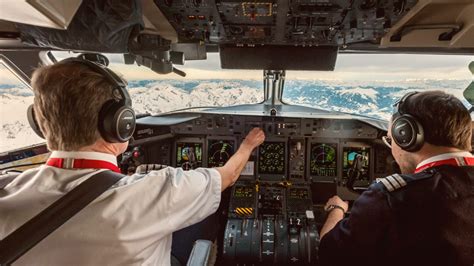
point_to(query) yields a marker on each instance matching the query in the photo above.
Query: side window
(15, 97)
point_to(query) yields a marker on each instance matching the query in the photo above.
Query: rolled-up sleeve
(142, 210)
(192, 195)
(358, 235)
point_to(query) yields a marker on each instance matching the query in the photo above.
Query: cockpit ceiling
(346, 24)
(430, 26)
(301, 22)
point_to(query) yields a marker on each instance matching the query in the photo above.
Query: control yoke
(355, 172)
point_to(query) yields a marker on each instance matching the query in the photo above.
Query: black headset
(116, 116)
(406, 130)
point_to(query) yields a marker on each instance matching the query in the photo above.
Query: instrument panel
(298, 150)
(281, 192)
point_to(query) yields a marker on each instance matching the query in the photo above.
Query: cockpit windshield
(362, 84)
(369, 84)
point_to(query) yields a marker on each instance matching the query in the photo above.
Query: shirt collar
(90, 155)
(445, 156)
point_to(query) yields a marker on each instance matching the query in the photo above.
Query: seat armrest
(200, 254)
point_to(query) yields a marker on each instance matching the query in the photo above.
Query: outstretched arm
(230, 172)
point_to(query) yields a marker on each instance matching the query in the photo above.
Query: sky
(349, 67)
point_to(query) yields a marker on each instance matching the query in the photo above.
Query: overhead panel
(281, 22)
(155, 21)
(193, 20)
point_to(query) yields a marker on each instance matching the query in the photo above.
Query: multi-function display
(323, 159)
(271, 158)
(188, 155)
(356, 160)
(219, 152)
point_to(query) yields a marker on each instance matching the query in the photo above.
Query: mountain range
(373, 99)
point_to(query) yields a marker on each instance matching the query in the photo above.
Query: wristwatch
(332, 207)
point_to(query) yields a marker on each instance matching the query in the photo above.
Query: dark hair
(445, 120)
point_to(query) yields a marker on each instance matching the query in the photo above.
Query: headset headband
(399, 104)
(113, 78)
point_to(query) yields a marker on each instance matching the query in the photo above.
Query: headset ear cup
(407, 133)
(420, 136)
(116, 122)
(126, 122)
(33, 122)
(105, 121)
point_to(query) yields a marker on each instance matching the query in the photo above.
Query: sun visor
(320, 58)
(44, 13)
(99, 26)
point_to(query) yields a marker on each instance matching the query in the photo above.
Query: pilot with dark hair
(132, 222)
(424, 216)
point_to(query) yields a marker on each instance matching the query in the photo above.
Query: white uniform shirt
(129, 224)
(445, 156)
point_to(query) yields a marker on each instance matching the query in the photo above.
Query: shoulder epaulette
(393, 182)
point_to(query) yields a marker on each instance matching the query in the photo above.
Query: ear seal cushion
(407, 133)
(116, 122)
(32, 121)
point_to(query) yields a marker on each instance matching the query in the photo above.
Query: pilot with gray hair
(423, 216)
(84, 112)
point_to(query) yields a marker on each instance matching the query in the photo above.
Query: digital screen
(243, 192)
(271, 158)
(188, 155)
(323, 159)
(383, 160)
(298, 193)
(219, 152)
(356, 159)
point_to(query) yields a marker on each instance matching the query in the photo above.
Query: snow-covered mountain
(15, 131)
(163, 96)
(373, 99)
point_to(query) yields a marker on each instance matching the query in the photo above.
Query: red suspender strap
(456, 161)
(71, 163)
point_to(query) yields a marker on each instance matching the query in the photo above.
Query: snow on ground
(373, 99)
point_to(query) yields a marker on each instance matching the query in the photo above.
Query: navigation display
(219, 152)
(271, 158)
(356, 159)
(188, 155)
(323, 159)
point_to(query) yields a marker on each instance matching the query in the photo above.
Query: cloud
(135, 72)
(349, 67)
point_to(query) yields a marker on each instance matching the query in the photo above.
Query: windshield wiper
(142, 115)
(186, 109)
